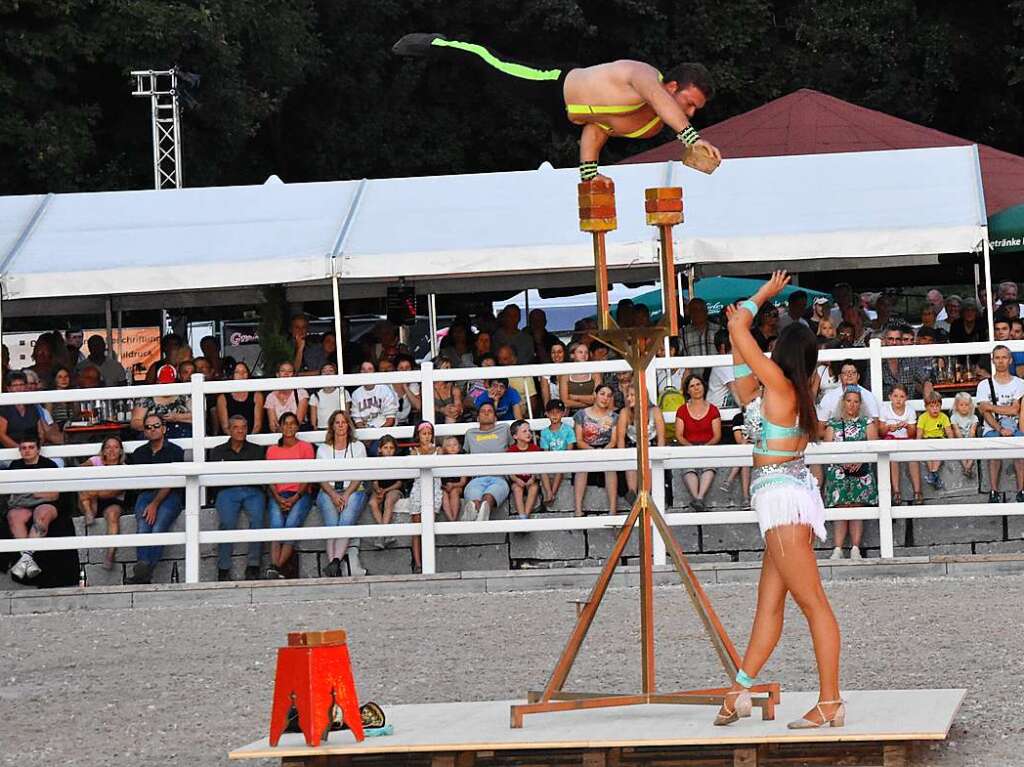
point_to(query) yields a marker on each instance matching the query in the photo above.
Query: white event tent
(470, 233)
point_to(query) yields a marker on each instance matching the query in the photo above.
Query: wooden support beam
(896, 755)
(744, 757)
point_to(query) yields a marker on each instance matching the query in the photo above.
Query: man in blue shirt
(508, 405)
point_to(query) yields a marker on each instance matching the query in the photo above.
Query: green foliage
(308, 89)
(274, 345)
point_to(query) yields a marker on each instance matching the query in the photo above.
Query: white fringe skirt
(787, 494)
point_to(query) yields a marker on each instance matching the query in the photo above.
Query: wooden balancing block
(664, 205)
(314, 674)
(597, 205)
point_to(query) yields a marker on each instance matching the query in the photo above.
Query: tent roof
(471, 230)
(810, 122)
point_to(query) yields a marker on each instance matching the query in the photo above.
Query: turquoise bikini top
(771, 430)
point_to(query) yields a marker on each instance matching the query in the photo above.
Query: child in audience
(934, 424)
(965, 425)
(524, 486)
(452, 487)
(560, 435)
(898, 420)
(386, 492)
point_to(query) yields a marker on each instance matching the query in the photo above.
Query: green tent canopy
(720, 291)
(1006, 230)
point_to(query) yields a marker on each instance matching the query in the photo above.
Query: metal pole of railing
(193, 500)
(427, 538)
(427, 393)
(658, 496)
(875, 367)
(885, 506)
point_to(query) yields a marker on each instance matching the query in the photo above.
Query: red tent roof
(810, 122)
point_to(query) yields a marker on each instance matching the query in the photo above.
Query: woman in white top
(284, 401)
(324, 402)
(340, 503)
(898, 420)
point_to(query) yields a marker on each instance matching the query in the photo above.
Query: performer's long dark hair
(796, 353)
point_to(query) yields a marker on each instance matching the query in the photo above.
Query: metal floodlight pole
(161, 87)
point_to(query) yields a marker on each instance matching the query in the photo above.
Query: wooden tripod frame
(639, 346)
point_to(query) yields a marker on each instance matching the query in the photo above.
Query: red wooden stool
(314, 674)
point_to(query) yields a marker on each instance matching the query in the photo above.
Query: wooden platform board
(887, 716)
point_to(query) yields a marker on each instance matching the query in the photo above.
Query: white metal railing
(195, 474)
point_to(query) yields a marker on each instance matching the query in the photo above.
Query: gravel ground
(185, 685)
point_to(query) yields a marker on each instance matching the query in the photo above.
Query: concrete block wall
(590, 548)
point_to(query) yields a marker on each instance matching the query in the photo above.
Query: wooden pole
(597, 216)
(664, 207)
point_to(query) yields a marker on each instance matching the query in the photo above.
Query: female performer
(788, 505)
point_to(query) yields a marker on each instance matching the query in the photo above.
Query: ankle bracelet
(744, 680)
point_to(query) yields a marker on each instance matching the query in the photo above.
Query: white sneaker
(32, 569)
(20, 567)
(354, 565)
(485, 512)
(855, 552)
(837, 553)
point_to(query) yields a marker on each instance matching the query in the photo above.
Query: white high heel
(742, 707)
(838, 718)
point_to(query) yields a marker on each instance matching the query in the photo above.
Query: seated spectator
(850, 484)
(410, 401)
(915, 373)
(186, 369)
(626, 434)
(1017, 334)
(341, 504)
(543, 339)
(830, 404)
(856, 318)
(307, 356)
(549, 388)
(478, 386)
(525, 387)
(525, 487)
(968, 328)
(999, 402)
(1001, 326)
(1006, 297)
(112, 373)
(409, 509)
(29, 515)
(281, 401)
(385, 344)
(577, 390)
(447, 395)
(965, 426)
(621, 381)
(155, 510)
(387, 492)
(722, 381)
(898, 420)
(232, 501)
(843, 294)
(88, 377)
(624, 313)
(582, 331)
(374, 406)
(290, 502)
(934, 424)
(17, 420)
(170, 345)
(846, 334)
(44, 360)
(457, 347)
(487, 493)
(928, 321)
(820, 310)
(739, 437)
(324, 402)
(506, 401)
(796, 308)
(452, 487)
(108, 503)
(482, 344)
(641, 316)
(595, 430)
(558, 435)
(698, 334)
(175, 410)
(698, 422)
(247, 404)
(63, 412)
(508, 332)
(766, 326)
(824, 379)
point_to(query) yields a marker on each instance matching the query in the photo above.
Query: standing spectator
(525, 386)
(374, 406)
(341, 504)
(44, 360)
(386, 345)
(111, 371)
(506, 401)
(595, 430)
(324, 402)
(248, 404)
(210, 347)
(18, 420)
(537, 327)
(155, 510)
(722, 381)
(482, 344)
(915, 373)
(289, 501)
(626, 434)
(410, 403)
(232, 501)
(698, 335)
(549, 388)
(624, 316)
(109, 503)
(999, 402)
(175, 410)
(29, 515)
(698, 422)
(447, 395)
(307, 355)
(934, 424)
(452, 487)
(820, 310)
(796, 308)
(849, 375)
(524, 486)
(281, 401)
(850, 484)
(898, 420)
(938, 304)
(967, 328)
(965, 425)
(170, 345)
(843, 294)
(456, 347)
(508, 332)
(73, 339)
(487, 493)
(558, 435)
(855, 317)
(576, 390)
(766, 326)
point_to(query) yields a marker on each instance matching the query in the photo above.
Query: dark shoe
(698, 504)
(995, 497)
(223, 575)
(141, 573)
(333, 569)
(252, 573)
(1020, 496)
(416, 44)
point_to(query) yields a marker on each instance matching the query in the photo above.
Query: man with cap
(559, 435)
